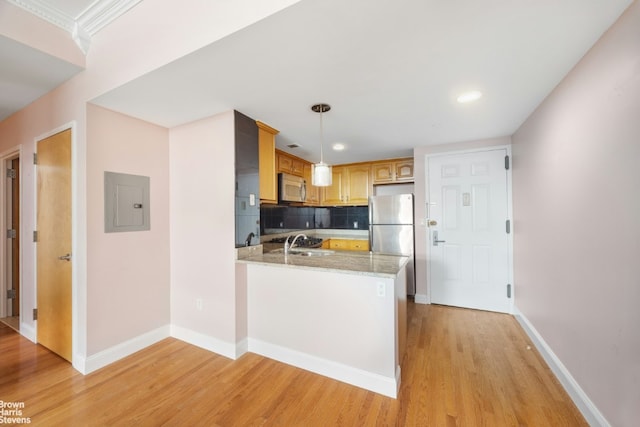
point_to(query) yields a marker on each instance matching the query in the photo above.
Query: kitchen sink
(310, 252)
(306, 251)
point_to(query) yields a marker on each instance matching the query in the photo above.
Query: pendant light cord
(321, 136)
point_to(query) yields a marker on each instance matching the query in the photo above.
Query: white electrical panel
(126, 202)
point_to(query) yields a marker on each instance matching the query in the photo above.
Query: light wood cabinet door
(350, 186)
(404, 170)
(333, 195)
(358, 184)
(400, 170)
(313, 192)
(382, 173)
(297, 167)
(289, 164)
(359, 245)
(349, 244)
(340, 244)
(267, 163)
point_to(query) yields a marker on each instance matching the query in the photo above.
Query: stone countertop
(349, 262)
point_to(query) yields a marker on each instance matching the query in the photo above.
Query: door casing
(5, 219)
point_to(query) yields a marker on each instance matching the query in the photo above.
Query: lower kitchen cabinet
(348, 244)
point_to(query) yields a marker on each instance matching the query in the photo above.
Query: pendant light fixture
(321, 172)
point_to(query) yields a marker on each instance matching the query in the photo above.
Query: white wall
(203, 233)
(577, 221)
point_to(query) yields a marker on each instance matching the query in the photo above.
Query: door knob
(66, 257)
(435, 239)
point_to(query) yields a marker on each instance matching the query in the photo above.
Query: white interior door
(469, 246)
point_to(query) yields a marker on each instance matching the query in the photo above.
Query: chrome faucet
(247, 242)
(288, 246)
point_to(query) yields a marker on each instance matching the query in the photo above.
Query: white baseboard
(28, 332)
(223, 348)
(119, 351)
(420, 299)
(386, 386)
(591, 413)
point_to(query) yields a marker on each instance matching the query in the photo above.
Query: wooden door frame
(509, 213)
(10, 154)
(78, 266)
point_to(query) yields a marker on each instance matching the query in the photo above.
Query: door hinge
(35, 314)
(35, 236)
(506, 162)
(509, 290)
(35, 158)
(12, 234)
(11, 173)
(508, 226)
(11, 294)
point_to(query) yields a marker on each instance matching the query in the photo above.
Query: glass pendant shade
(321, 174)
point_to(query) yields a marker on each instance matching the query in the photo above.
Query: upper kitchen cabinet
(267, 161)
(392, 171)
(313, 192)
(334, 194)
(351, 186)
(289, 164)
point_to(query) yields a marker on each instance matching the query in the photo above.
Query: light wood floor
(12, 322)
(462, 368)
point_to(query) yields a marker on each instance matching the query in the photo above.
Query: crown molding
(103, 12)
(84, 26)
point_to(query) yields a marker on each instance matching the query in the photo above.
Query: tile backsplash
(302, 217)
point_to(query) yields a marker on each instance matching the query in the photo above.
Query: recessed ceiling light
(471, 96)
(338, 147)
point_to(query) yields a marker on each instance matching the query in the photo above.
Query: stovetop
(309, 242)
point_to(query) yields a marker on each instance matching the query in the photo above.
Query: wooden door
(469, 259)
(15, 241)
(54, 243)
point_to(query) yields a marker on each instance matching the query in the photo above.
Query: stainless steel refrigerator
(391, 230)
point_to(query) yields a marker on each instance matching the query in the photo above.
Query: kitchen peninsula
(342, 315)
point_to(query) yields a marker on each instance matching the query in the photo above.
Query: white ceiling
(26, 74)
(390, 70)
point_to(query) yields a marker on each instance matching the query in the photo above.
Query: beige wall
(203, 232)
(127, 273)
(577, 221)
(148, 36)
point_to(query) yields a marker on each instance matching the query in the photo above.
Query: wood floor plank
(462, 368)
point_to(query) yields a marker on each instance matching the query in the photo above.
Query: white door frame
(509, 212)
(10, 154)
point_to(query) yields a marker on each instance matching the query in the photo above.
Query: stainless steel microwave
(291, 188)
